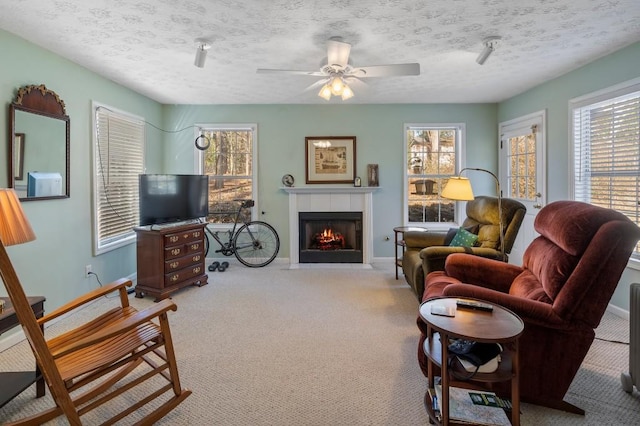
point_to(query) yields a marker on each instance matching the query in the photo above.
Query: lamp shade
(325, 92)
(14, 226)
(347, 93)
(458, 188)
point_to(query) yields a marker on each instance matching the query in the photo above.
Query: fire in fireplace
(330, 237)
(328, 240)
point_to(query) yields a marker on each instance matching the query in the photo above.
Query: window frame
(460, 144)
(104, 245)
(592, 101)
(200, 154)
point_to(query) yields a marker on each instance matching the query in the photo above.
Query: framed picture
(330, 159)
(373, 177)
(18, 153)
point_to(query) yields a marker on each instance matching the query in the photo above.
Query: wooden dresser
(169, 258)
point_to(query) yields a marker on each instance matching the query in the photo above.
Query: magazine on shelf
(463, 410)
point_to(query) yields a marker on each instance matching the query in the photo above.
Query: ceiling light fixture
(336, 86)
(201, 51)
(490, 44)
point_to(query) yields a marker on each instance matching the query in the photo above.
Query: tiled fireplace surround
(331, 199)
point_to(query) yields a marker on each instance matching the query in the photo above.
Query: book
(462, 408)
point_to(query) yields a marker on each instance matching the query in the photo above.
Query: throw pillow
(463, 238)
(452, 233)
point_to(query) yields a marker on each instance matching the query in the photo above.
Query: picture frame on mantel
(373, 175)
(330, 159)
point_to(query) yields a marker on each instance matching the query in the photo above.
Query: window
(432, 155)
(118, 159)
(229, 163)
(606, 148)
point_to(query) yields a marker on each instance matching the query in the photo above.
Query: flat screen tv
(172, 198)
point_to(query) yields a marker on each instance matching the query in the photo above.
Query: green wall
(554, 96)
(379, 140)
(53, 264)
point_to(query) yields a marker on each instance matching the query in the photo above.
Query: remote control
(470, 304)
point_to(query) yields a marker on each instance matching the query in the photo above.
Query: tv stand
(170, 258)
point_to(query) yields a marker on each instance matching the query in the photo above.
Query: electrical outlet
(87, 271)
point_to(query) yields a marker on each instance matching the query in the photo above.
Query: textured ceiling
(148, 45)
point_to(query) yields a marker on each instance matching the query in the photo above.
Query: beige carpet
(274, 346)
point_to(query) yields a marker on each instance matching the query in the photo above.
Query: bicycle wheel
(256, 244)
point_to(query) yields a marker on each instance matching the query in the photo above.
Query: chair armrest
(440, 252)
(481, 271)
(530, 311)
(120, 327)
(418, 239)
(88, 297)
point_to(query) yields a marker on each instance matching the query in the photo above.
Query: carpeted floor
(273, 346)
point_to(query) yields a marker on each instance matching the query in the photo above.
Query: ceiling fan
(338, 73)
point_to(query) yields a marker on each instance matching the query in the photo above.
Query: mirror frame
(41, 101)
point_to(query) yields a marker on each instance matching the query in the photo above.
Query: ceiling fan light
(337, 85)
(325, 92)
(347, 93)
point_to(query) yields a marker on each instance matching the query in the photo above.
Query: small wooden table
(499, 326)
(14, 383)
(400, 230)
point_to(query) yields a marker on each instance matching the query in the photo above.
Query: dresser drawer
(182, 262)
(183, 274)
(183, 250)
(184, 237)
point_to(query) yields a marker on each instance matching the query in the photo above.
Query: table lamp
(459, 188)
(14, 226)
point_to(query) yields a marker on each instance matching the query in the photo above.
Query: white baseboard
(615, 310)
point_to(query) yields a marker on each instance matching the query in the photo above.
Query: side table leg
(395, 260)
(515, 386)
(40, 383)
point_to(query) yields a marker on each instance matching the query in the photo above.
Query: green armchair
(427, 251)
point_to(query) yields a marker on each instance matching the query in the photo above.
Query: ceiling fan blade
(387, 70)
(338, 52)
(316, 85)
(290, 72)
(356, 83)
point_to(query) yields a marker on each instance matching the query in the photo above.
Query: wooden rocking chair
(86, 367)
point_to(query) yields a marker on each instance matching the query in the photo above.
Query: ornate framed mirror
(39, 130)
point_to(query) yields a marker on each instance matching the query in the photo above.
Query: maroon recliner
(561, 291)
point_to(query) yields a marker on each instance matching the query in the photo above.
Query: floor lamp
(459, 188)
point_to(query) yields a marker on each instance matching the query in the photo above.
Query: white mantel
(331, 199)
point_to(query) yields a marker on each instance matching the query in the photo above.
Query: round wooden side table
(498, 326)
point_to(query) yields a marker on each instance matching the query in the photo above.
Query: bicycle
(255, 243)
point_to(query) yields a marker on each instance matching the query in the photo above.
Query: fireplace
(330, 237)
(321, 198)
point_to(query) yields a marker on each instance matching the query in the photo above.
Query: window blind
(606, 138)
(119, 159)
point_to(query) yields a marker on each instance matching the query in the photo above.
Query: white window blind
(118, 160)
(606, 137)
